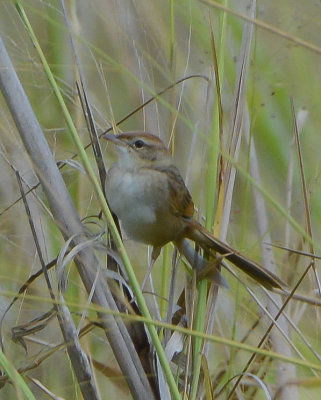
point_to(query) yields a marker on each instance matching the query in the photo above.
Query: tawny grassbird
(147, 193)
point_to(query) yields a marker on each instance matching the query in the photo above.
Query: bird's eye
(139, 144)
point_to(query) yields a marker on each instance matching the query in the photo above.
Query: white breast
(140, 201)
(127, 200)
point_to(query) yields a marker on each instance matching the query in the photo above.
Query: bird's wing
(181, 202)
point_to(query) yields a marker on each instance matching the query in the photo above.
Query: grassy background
(129, 51)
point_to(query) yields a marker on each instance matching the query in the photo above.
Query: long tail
(203, 238)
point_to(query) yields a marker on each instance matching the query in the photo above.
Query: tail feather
(207, 241)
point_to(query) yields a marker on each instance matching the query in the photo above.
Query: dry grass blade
(45, 390)
(295, 251)
(217, 80)
(37, 324)
(304, 193)
(77, 356)
(207, 380)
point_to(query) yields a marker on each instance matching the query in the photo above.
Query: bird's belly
(142, 209)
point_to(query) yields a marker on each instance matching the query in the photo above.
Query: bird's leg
(210, 269)
(200, 264)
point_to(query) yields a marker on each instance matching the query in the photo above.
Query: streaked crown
(141, 144)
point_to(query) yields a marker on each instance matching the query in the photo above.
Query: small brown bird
(147, 193)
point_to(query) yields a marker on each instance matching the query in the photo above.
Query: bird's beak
(114, 139)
